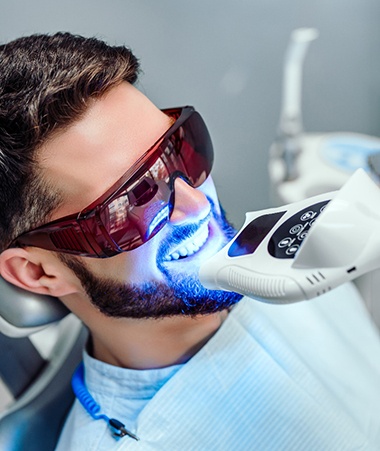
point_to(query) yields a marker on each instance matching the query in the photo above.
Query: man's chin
(196, 298)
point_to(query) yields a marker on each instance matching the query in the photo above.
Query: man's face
(159, 278)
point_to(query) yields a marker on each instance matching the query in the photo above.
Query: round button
(292, 249)
(308, 215)
(285, 242)
(296, 229)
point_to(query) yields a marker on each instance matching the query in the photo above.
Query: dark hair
(46, 82)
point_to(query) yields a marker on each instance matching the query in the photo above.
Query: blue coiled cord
(92, 407)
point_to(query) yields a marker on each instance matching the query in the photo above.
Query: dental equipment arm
(287, 145)
(303, 164)
(304, 249)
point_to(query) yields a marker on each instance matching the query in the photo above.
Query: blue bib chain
(93, 408)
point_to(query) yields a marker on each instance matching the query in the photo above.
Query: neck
(152, 343)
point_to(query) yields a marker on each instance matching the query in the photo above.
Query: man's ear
(26, 268)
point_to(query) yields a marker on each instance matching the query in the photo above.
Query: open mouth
(190, 246)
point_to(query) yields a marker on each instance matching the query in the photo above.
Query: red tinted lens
(195, 151)
(144, 204)
(131, 224)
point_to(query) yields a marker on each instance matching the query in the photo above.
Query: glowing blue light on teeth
(190, 248)
(160, 216)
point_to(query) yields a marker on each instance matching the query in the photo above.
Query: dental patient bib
(304, 376)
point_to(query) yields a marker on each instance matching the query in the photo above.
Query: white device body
(304, 249)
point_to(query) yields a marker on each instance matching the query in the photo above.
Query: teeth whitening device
(304, 249)
(328, 232)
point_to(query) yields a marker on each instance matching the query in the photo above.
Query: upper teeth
(191, 246)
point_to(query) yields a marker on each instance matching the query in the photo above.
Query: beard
(181, 294)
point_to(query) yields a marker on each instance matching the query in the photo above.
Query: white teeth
(192, 246)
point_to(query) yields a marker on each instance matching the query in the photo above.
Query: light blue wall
(225, 57)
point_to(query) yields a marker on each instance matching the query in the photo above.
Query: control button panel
(287, 239)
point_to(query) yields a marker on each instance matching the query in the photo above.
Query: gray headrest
(23, 313)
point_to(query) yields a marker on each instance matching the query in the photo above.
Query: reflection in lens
(162, 215)
(117, 211)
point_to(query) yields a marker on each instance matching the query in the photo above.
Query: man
(108, 204)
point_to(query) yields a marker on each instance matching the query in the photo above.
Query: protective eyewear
(141, 202)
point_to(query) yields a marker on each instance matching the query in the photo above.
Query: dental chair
(41, 344)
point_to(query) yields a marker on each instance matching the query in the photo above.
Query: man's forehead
(90, 155)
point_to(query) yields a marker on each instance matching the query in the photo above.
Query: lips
(191, 245)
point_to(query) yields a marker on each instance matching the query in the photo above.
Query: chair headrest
(23, 313)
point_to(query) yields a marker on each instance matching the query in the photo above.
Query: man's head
(46, 83)
(90, 126)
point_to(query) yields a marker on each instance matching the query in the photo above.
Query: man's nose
(190, 204)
